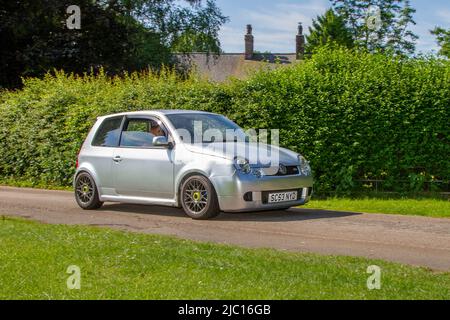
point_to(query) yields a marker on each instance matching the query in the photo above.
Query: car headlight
(257, 172)
(242, 164)
(305, 169)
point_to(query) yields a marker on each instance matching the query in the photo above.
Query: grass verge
(31, 184)
(419, 207)
(122, 265)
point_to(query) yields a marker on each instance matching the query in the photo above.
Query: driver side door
(141, 169)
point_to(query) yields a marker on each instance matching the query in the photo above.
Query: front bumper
(231, 190)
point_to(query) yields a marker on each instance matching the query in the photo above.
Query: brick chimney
(300, 42)
(249, 43)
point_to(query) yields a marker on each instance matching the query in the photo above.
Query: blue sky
(275, 22)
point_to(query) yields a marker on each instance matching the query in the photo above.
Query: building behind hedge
(220, 67)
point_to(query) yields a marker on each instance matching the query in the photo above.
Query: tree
(192, 25)
(191, 41)
(117, 35)
(328, 29)
(35, 38)
(443, 39)
(379, 25)
(402, 40)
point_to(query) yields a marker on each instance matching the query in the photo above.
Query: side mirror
(162, 141)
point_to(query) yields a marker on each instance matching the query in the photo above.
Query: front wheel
(199, 199)
(86, 193)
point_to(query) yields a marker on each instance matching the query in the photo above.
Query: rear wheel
(198, 198)
(86, 193)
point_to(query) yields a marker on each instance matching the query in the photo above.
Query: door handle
(117, 159)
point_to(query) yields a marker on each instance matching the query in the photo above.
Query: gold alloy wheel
(84, 189)
(195, 196)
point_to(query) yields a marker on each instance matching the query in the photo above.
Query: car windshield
(206, 128)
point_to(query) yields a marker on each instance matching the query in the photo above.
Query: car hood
(250, 151)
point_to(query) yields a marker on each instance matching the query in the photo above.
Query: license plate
(282, 197)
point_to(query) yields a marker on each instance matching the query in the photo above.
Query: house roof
(221, 67)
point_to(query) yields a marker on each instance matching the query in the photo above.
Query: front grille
(290, 171)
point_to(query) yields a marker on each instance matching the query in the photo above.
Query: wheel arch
(185, 176)
(89, 171)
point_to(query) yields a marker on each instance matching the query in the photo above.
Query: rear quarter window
(108, 133)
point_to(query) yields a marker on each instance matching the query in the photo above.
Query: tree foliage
(118, 35)
(354, 115)
(443, 39)
(379, 25)
(183, 26)
(328, 29)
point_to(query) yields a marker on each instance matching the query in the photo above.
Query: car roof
(155, 112)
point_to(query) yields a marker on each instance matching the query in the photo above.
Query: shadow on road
(293, 214)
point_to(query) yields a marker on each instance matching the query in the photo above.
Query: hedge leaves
(353, 115)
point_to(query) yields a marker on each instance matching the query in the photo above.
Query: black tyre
(198, 198)
(86, 193)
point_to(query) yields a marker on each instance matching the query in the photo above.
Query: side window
(140, 132)
(108, 133)
(138, 125)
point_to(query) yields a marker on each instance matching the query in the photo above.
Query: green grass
(418, 207)
(24, 183)
(121, 265)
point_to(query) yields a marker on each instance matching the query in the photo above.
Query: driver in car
(156, 129)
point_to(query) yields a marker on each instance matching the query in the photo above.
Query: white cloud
(425, 42)
(231, 38)
(274, 27)
(444, 14)
(275, 24)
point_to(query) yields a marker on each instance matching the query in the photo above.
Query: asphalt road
(411, 240)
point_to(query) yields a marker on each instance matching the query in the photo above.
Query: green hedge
(353, 115)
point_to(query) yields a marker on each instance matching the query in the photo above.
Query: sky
(275, 22)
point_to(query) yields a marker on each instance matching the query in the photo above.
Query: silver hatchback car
(149, 157)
